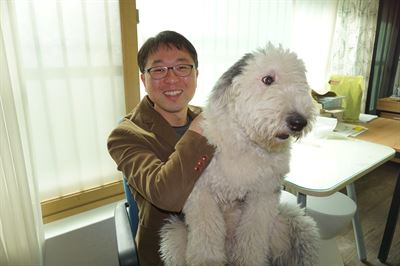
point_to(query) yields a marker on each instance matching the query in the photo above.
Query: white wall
(82, 240)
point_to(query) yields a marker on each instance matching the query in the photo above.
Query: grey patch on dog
(234, 71)
(225, 81)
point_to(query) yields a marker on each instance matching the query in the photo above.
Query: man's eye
(158, 70)
(182, 67)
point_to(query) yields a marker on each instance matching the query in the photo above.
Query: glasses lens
(183, 70)
(158, 72)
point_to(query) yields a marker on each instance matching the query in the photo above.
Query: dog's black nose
(296, 122)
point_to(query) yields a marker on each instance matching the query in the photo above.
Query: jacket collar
(153, 121)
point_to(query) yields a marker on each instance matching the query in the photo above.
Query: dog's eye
(268, 80)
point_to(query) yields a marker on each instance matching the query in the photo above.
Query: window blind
(72, 90)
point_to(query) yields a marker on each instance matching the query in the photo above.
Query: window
(75, 87)
(70, 58)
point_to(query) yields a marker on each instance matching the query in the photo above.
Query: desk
(321, 167)
(388, 107)
(383, 131)
(386, 131)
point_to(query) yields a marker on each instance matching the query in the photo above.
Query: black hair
(169, 39)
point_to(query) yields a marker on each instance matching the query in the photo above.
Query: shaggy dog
(233, 215)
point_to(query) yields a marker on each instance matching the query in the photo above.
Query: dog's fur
(233, 215)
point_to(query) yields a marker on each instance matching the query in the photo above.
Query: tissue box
(331, 103)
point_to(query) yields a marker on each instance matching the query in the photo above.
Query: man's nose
(171, 76)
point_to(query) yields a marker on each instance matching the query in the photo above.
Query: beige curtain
(354, 39)
(21, 231)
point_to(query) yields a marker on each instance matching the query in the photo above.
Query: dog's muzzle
(296, 122)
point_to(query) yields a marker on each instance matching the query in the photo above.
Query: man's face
(170, 94)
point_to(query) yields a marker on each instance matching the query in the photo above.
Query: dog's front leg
(252, 234)
(206, 229)
(294, 238)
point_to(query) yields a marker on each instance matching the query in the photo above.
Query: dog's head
(267, 96)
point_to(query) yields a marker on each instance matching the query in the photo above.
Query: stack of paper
(349, 130)
(365, 118)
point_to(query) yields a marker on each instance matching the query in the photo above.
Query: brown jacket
(161, 170)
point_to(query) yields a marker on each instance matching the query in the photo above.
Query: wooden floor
(374, 193)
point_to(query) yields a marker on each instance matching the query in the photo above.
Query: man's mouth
(173, 92)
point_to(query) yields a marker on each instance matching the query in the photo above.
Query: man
(159, 146)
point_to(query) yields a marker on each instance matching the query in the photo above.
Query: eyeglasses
(182, 70)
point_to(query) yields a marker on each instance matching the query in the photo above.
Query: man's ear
(142, 78)
(197, 73)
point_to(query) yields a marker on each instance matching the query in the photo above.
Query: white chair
(332, 215)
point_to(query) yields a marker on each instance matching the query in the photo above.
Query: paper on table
(323, 126)
(365, 118)
(351, 130)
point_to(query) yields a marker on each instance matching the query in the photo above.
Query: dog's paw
(248, 255)
(205, 256)
(206, 262)
(249, 251)
(173, 242)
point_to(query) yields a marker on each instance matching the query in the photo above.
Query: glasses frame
(173, 68)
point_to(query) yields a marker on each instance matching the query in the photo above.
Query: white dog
(233, 216)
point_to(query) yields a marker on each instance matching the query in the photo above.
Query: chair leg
(302, 200)
(390, 223)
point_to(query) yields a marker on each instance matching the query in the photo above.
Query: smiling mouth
(173, 93)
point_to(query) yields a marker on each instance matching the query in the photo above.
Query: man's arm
(166, 184)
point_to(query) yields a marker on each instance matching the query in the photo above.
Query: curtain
(386, 53)
(21, 234)
(70, 57)
(353, 43)
(396, 87)
(223, 31)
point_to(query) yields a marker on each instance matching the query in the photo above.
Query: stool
(332, 215)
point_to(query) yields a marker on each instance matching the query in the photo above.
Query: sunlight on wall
(222, 31)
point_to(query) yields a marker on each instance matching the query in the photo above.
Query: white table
(321, 167)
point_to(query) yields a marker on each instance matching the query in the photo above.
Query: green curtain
(386, 53)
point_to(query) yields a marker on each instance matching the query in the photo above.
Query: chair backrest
(126, 217)
(133, 210)
(127, 213)
(126, 246)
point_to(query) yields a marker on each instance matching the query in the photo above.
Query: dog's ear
(220, 94)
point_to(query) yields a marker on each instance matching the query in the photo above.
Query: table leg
(358, 233)
(390, 223)
(301, 199)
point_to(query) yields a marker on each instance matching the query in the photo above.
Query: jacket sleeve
(166, 184)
